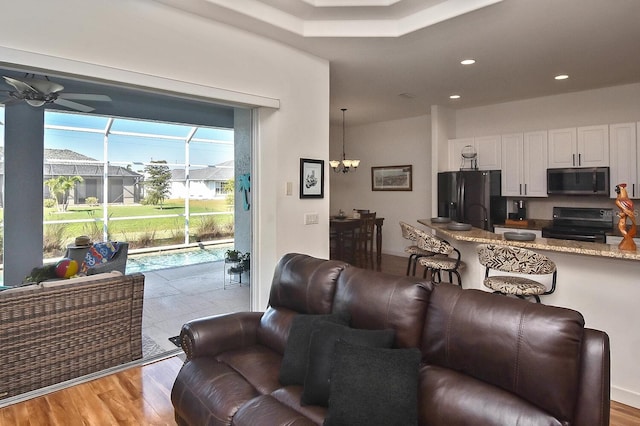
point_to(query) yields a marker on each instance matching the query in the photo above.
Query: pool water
(172, 259)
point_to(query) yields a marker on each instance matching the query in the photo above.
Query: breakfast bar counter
(598, 280)
(481, 236)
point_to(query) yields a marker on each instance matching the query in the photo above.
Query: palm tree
(60, 188)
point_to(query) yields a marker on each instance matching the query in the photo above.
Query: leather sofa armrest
(213, 335)
(593, 404)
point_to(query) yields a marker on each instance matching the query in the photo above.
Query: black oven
(580, 224)
(576, 234)
(578, 181)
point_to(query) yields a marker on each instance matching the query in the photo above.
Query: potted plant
(232, 255)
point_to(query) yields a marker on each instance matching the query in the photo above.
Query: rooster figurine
(626, 211)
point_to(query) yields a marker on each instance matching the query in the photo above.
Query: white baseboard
(625, 396)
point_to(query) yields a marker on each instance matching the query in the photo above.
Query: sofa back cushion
(377, 301)
(305, 284)
(301, 285)
(528, 349)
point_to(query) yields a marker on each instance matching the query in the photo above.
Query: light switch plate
(288, 188)
(311, 218)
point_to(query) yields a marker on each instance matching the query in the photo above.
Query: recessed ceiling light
(468, 61)
(561, 77)
(454, 97)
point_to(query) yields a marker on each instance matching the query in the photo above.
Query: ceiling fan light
(35, 102)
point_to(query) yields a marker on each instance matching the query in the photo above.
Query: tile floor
(176, 295)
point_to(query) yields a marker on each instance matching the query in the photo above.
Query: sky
(135, 149)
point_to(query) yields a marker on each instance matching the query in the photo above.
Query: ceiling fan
(38, 92)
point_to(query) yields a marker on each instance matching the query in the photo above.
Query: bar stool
(516, 260)
(415, 252)
(440, 262)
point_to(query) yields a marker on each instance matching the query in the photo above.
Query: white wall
(149, 44)
(389, 143)
(609, 105)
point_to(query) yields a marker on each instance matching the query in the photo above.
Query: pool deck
(176, 295)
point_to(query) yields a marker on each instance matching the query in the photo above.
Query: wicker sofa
(56, 331)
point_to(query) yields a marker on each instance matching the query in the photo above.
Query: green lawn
(161, 227)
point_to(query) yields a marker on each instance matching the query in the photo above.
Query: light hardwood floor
(141, 395)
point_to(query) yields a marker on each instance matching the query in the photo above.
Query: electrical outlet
(311, 218)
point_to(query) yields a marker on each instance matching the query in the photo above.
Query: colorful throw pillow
(373, 386)
(99, 253)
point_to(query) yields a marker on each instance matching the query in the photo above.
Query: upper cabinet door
(489, 152)
(456, 146)
(535, 163)
(563, 147)
(512, 165)
(624, 156)
(593, 146)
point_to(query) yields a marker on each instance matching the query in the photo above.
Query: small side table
(232, 272)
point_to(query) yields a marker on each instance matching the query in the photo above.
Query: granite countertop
(481, 236)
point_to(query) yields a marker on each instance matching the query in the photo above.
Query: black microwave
(578, 181)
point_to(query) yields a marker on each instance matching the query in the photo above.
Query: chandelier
(344, 165)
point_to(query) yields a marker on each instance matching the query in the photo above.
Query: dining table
(342, 230)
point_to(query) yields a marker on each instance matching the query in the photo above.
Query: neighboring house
(124, 184)
(207, 183)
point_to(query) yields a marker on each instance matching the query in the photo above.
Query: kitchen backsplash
(542, 208)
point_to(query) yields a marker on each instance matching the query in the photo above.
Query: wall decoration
(244, 186)
(311, 178)
(392, 178)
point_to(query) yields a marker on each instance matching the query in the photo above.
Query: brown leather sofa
(485, 359)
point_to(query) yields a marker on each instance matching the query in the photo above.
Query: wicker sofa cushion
(81, 279)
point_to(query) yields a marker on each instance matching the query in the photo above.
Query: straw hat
(83, 240)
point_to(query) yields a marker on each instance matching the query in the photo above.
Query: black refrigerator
(472, 196)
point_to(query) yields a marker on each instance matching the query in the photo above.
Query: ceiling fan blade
(84, 97)
(44, 86)
(20, 86)
(73, 105)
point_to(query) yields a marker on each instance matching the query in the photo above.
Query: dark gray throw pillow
(296, 352)
(373, 386)
(321, 347)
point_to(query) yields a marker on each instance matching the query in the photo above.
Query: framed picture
(311, 178)
(392, 178)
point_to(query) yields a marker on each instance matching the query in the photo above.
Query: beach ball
(66, 268)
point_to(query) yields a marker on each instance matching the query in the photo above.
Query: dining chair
(415, 252)
(364, 240)
(441, 261)
(520, 261)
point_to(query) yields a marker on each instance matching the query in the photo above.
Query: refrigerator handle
(461, 199)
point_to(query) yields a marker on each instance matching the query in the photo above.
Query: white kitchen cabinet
(625, 158)
(456, 146)
(487, 147)
(524, 164)
(489, 152)
(586, 146)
